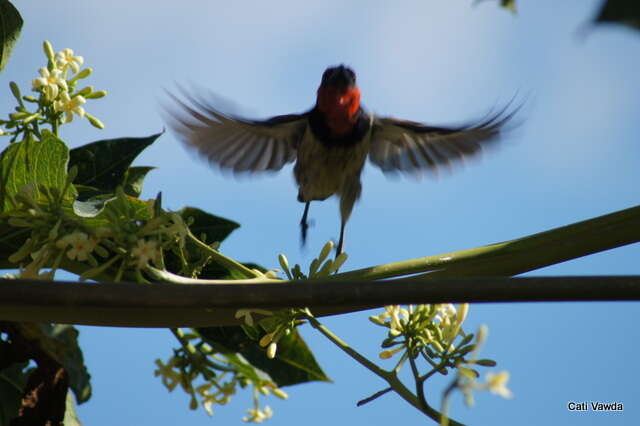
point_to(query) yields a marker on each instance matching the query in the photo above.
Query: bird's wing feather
(234, 143)
(411, 147)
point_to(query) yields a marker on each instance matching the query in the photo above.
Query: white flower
(69, 106)
(257, 415)
(497, 384)
(444, 310)
(170, 377)
(50, 83)
(65, 58)
(144, 252)
(81, 245)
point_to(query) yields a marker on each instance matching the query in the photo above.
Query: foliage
(79, 210)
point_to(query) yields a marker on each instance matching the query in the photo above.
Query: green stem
(168, 277)
(390, 377)
(520, 255)
(224, 260)
(196, 354)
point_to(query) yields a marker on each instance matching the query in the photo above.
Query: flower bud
(15, 90)
(485, 362)
(97, 95)
(32, 117)
(481, 336)
(266, 339)
(386, 354)
(337, 264)
(280, 393)
(85, 91)
(16, 116)
(437, 346)
(83, 74)
(271, 350)
(325, 270)
(94, 121)
(313, 268)
(284, 264)
(463, 310)
(324, 253)
(48, 50)
(376, 320)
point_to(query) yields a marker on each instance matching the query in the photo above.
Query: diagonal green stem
(223, 260)
(168, 277)
(520, 255)
(390, 377)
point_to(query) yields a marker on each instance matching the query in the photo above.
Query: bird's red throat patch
(340, 107)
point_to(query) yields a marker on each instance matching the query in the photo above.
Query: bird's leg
(303, 224)
(341, 242)
(348, 196)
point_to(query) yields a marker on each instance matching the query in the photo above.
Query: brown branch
(170, 305)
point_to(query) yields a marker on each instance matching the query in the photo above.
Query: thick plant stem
(519, 255)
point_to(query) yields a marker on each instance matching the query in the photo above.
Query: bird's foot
(304, 226)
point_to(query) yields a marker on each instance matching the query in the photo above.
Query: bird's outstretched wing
(234, 143)
(411, 147)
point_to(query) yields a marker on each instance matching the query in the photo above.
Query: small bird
(329, 143)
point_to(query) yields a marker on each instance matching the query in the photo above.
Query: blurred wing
(234, 143)
(407, 146)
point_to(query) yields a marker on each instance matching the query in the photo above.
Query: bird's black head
(340, 77)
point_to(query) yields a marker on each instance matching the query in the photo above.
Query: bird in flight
(329, 143)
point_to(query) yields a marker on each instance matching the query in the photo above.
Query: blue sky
(573, 158)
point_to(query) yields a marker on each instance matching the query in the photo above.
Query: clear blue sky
(575, 157)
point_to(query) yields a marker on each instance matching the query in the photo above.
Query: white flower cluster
(467, 382)
(215, 390)
(436, 326)
(57, 84)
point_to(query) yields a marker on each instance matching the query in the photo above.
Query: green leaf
(620, 11)
(104, 164)
(92, 207)
(60, 342)
(10, 26)
(134, 179)
(37, 163)
(11, 239)
(294, 362)
(13, 379)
